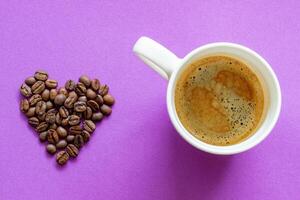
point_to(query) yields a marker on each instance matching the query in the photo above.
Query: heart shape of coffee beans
(64, 118)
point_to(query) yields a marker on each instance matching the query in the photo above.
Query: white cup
(171, 67)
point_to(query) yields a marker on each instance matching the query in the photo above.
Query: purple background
(136, 153)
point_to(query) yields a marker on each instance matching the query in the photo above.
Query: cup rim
(214, 149)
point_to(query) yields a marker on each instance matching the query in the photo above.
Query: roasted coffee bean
(40, 108)
(70, 85)
(86, 136)
(51, 83)
(41, 75)
(79, 106)
(103, 90)
(61, 132)
(72, 150)
(53, 94)
(42, 127)
(25, 90)
(58, 119)
(30, 112)
(85, 80)
(62, 157)
(78, 141)
(80, 89)
(63, 91)
(42, 117)
(65, 122)
(30, 80)
(34, 99)
(95, 85)
(52, 136)
(46, 95)
(38, 87)
(93, 104)
(61, 144)
(43, 136)
(74, 120)
(70, 138)
(89, 126)
(87, 114)
(64, 113)
(75, 130)
(99, 100)
(50, 117)
(109, 100)
(53, 126)
(69, 103)
(60, 99)
(73, 93)
(79, 114)
(49, 105)
(33, 121)
(24, 105)
(105, 109)
(51, 148)
(82, 98)
(97, 116)
(90, 94)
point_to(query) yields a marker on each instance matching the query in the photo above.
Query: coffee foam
(219, 100)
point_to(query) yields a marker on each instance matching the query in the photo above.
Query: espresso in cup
(219, 100)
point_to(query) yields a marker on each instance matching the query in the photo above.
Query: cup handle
(156, 56)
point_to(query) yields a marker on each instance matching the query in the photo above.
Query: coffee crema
(219, 100)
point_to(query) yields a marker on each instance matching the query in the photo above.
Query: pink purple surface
(136, 153)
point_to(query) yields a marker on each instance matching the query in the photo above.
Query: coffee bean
(90, 94)
(51, 148)
(99, 100)
(78, 141)
(70, 85)
(69, 103)
(87, 114)
(25, 90)
(80, 106)
(73, 93)
(60, 99)
(33, 121)
(45, 95)
(108, 100)
(42, 127)
(70, 138)
(62, 157)
(49, 105)
(24, 105)
(61, 144)
(30, 80)
(97, 116)
(65, 122)
(53, 126)
(38, 87)
(72, 150)
(80, 89)
(30, 112)
(75, 130)
(50, 116)
(52, 136)
(58, 119)
(105, 109)
(51, 83)
(53, 94)
(82, 98)
(103, 90)
(42, 117)
(43, 136)
(86, 136)
(64, 113)
(63, 91)
(93, 104)
(41, 75)
(89, 126)
(85, 80)
(95, 84)
(79, 114)
(40, 108)
(34, 99)
(61, 132)
(74, 120)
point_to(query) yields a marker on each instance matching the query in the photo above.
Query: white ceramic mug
(171, 67)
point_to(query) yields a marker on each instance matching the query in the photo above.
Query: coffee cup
(170, 67)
